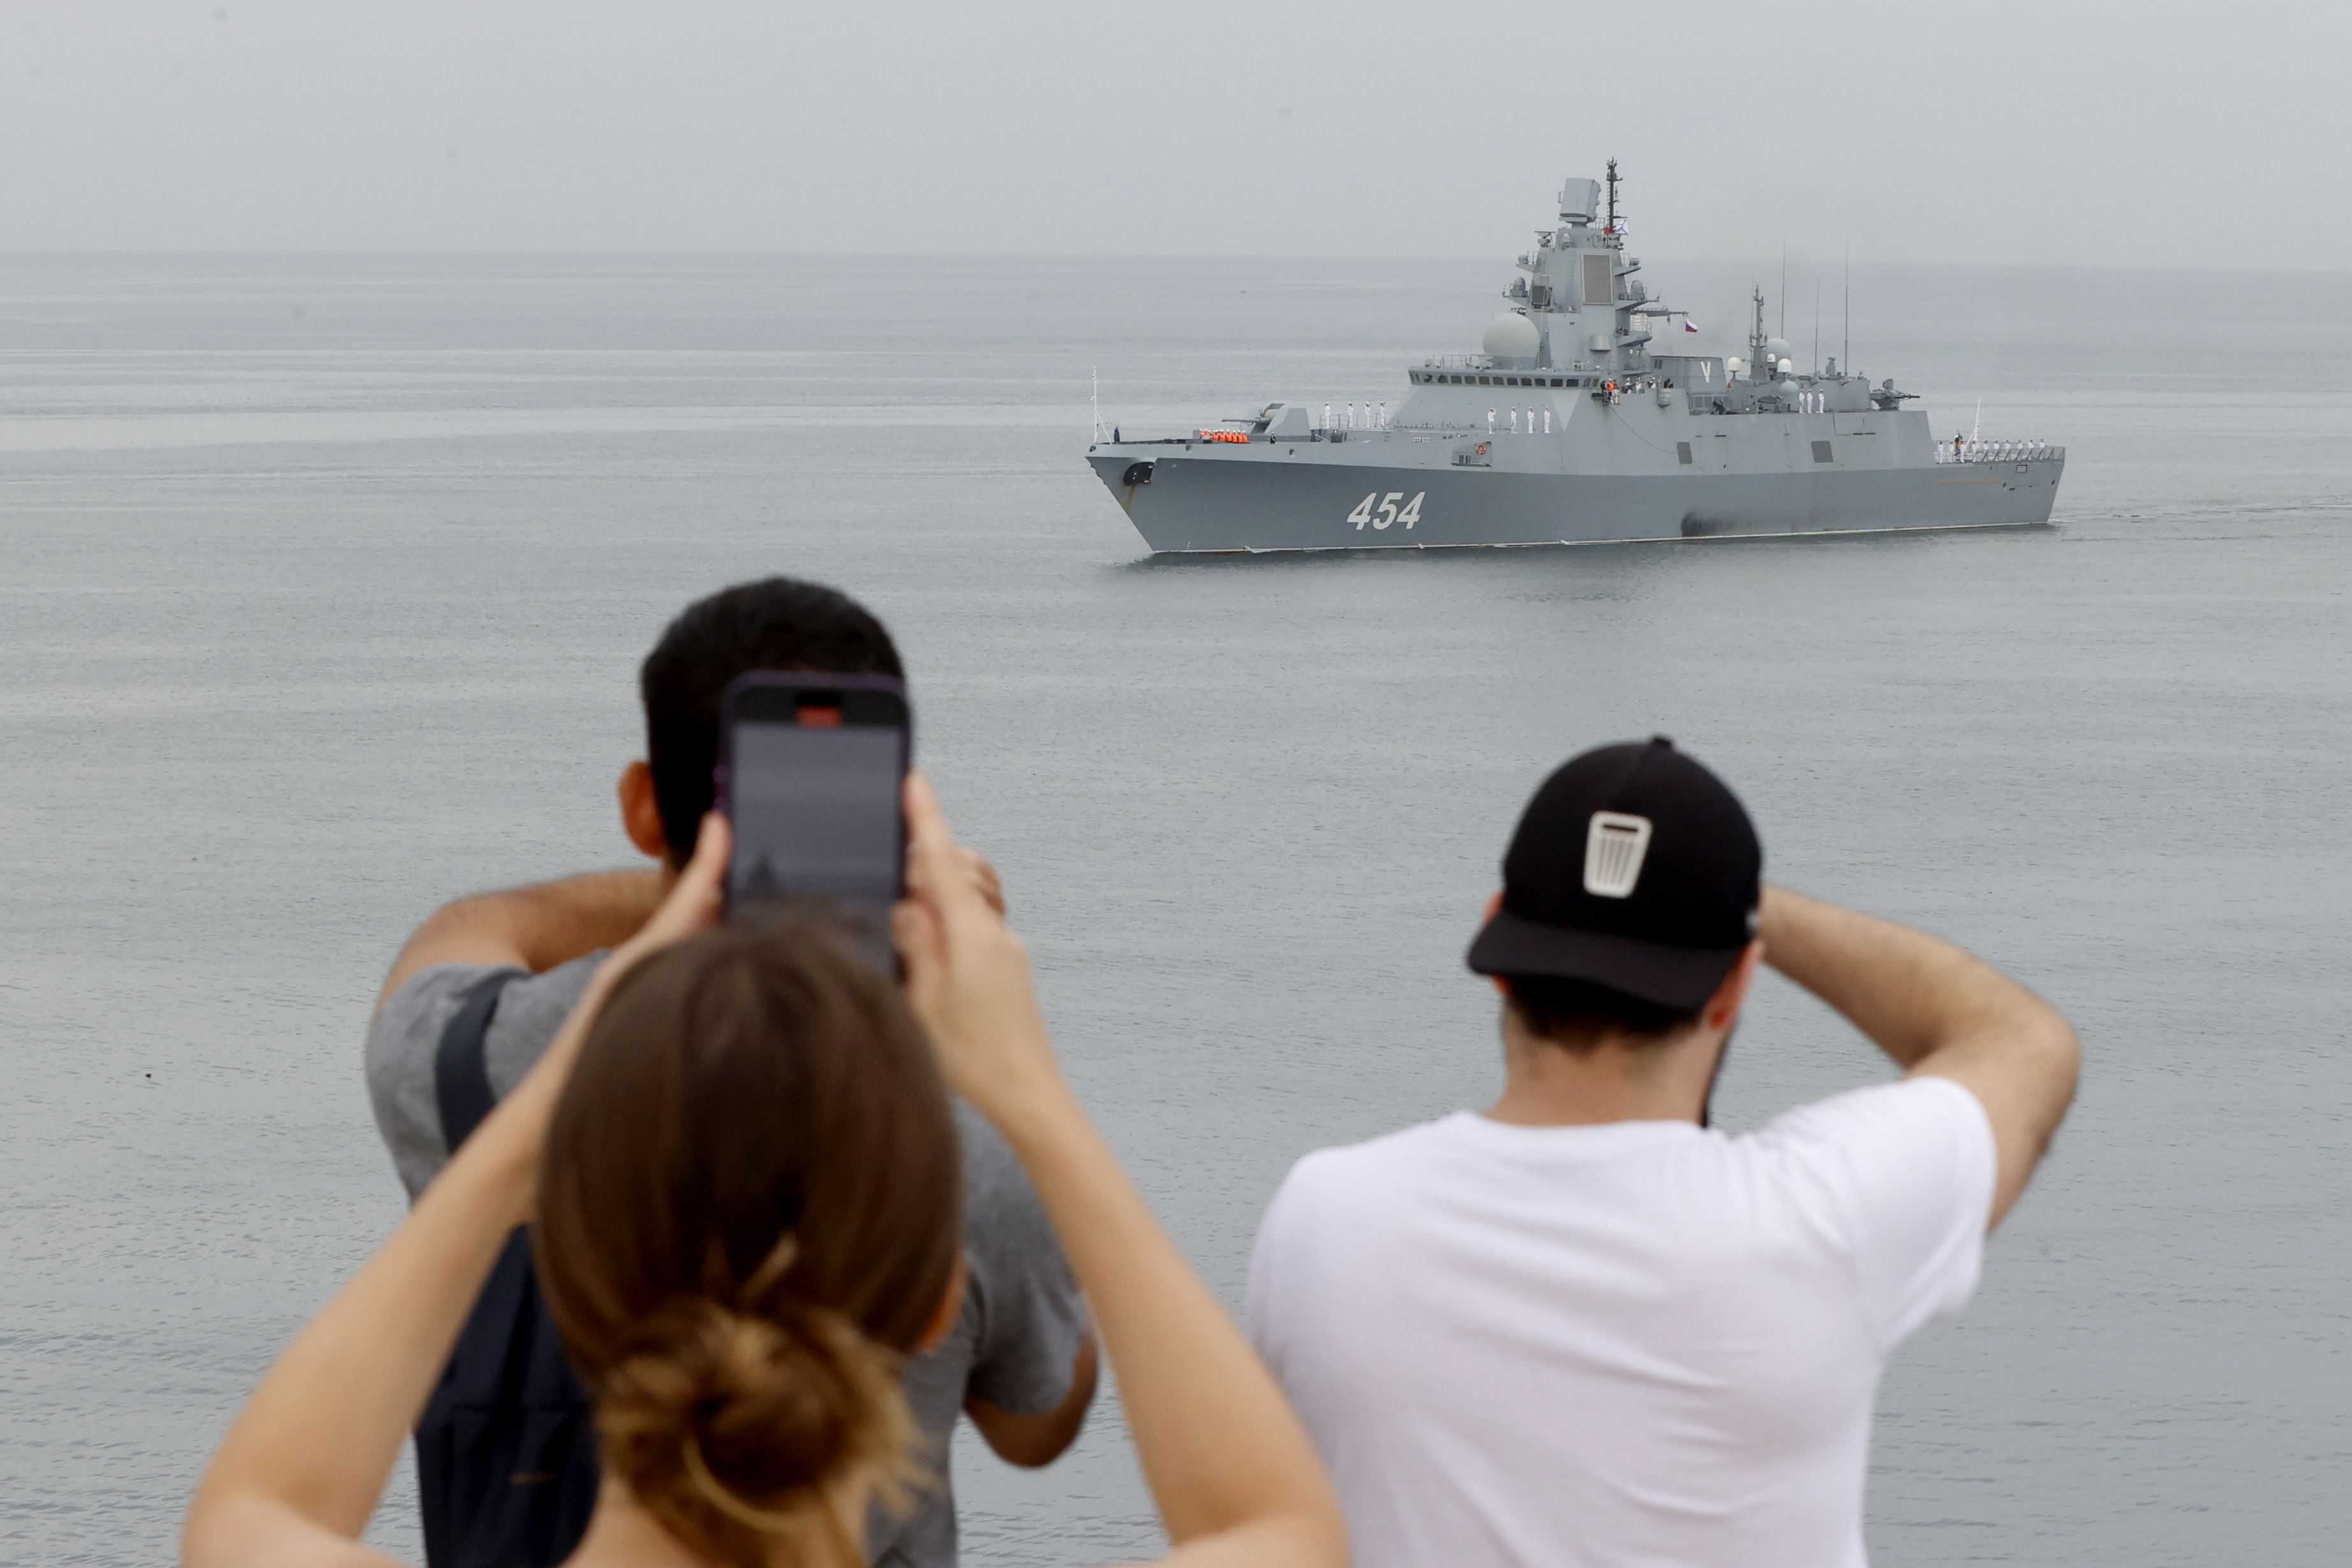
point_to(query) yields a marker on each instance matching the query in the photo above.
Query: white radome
(1787, 366)
(1511, 336)
(1734, 365)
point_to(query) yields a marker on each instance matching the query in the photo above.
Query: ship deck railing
(1334, 433)
(1999, 452)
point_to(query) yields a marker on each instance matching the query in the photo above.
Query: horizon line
(541, 253)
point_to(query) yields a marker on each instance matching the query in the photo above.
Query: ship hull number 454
(1381, 510)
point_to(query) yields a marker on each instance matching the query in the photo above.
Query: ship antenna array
(1611, 228)
(1095, 377)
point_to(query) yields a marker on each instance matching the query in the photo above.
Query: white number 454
(1381, 510)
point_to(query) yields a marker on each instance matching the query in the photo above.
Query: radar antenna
(1612, 228)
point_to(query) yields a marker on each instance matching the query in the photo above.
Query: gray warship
(1578, 424)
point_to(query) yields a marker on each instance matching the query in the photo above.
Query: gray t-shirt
(1014, 1344)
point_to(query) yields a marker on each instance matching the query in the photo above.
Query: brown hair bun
(737, 1431)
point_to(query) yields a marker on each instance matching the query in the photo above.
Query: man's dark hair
(777, 623)
(1577, 1014)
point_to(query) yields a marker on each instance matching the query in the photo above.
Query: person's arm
(306, 1461)
(1939, 1013)
(302, 1468)
(534, 928)
(1236, 1482)
(1036, 1440)
(546, 924)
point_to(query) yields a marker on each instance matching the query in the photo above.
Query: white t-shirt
(1635, 1344)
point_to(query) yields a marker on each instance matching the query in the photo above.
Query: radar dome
(1735, 365)
(1786, 368)
(1511, 336)
(1775, 348)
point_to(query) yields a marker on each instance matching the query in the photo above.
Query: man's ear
(943, 1317)
(640, 812)
(1722, 1009)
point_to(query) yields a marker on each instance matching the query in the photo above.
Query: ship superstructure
(1583, 419)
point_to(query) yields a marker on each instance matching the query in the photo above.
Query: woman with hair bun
(740, 1163)
(740, 1286)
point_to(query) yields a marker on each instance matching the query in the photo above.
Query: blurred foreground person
(1582, 1328)
(499, 972)
(741, 1159)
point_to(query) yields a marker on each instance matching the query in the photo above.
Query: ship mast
(1612, 227)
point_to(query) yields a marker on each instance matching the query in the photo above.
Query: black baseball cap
(1633, 868)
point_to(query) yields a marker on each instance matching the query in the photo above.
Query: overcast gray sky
(2160, 133)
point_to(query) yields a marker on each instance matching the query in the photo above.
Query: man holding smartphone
(1582, 1328)
(1021, 1359)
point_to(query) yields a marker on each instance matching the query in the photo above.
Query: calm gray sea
(323, 582)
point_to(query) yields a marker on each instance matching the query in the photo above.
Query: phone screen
(816, 816)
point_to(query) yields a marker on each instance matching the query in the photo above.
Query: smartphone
(812, 771)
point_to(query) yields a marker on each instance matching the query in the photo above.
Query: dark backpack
(506, 1450)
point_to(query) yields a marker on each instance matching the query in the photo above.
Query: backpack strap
(461, 1071)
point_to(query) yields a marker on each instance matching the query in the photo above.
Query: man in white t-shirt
(1582, 1328)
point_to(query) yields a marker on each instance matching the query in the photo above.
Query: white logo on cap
(1613, 850)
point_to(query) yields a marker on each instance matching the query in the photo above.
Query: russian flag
(1689, 325)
